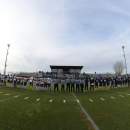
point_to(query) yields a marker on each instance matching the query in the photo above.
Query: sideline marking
(26, 98)
(38, 99)
(90, 100)
(88, 119)
(16, 96)
(1, 92)
(113, 97)
(7, 94)
(51, 100)
(102, 99)
(121, 96)
(77, 100)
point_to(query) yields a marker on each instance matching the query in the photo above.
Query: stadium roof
(65, 67)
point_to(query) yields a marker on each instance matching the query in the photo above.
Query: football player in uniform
(1, 79)
(31, 83)
(100, 82)
(108, 81)
(96, 84)
(49, 81)
(25, 82)
(8, 81)
(18, 82)
(104, 83)
(91, 83)
(41, 85)
(45, 84)
(21, 82)
(15, 79)
(37, 83)
(11, 81)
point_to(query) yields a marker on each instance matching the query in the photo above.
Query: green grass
(18, 113)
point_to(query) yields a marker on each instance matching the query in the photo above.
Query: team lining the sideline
(44, 83)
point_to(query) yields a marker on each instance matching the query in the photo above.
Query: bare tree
(118, 67)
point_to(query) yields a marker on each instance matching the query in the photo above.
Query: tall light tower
(125, 59)
(6, 59)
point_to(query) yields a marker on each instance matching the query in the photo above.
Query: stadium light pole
(125, 59)
(6, 59)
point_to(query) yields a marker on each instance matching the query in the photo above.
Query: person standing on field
(82, 85)
(91, 83)
(56, 81)
(77, 84)
(49, 81)
(68, 84)
(63, 85)
(72, 84)
(86, 83)
(96, 84)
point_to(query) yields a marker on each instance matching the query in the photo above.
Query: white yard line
(26, 98)
(78, 101)
(121, 96)
(87, 115)
(128, 94)
(38, 99)
(7, 94)
(1, 92)
(113, 97)
(51, 100)
(64, 101)
(90, 100)
(17, 95)
(102, 99)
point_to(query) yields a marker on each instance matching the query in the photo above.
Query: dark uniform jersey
(100, 81)
(92, 82)
(96, 82)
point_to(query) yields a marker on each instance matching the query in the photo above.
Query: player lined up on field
(43, 83)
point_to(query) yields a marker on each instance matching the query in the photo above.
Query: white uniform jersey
(15, 78)
(18, 79)
(8, 77)
(21, 79)
(37, 81)
(42, 80)
(49, 81)
(11, 78)
(3, 78)
(31, 79)
(25, 79)
(45, 80)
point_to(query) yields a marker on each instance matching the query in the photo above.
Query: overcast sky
(64, 32)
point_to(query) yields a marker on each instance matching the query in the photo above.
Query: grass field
(40, 110)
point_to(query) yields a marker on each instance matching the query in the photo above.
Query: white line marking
(51, 100)
(17, 95)
(1, 92)
(38, 99)
(90, 100)
(128, 94)
(89, 118)
(113, 97)
(121, 96)
(64, 101)
(102, 99)
(78, 101)
(26, 98)
(7, 94)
